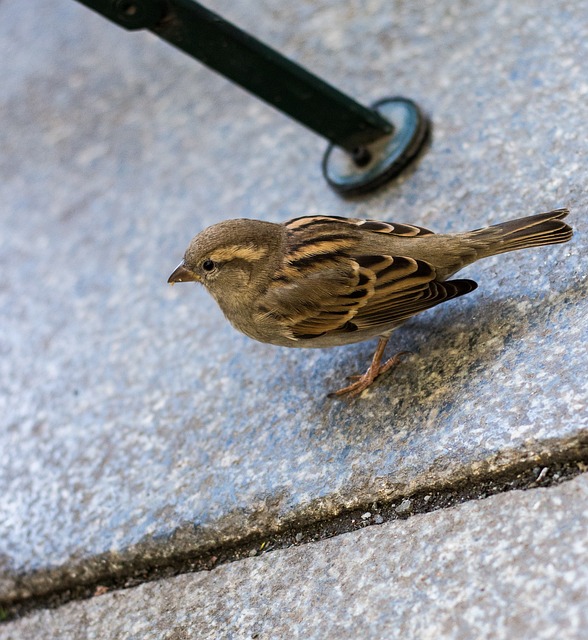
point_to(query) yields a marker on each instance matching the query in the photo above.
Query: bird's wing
(322, 287)
(302, 226)
(403, 287)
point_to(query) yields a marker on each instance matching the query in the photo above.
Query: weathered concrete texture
(511, 566)
(133, 420)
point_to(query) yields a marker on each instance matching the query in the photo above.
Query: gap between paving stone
(158, 559)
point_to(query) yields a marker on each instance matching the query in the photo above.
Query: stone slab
(134, 422)
(511, 566)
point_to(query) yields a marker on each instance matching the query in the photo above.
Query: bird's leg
(375, 369)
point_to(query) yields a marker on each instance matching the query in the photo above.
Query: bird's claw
(362, 382)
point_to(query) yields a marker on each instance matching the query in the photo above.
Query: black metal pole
(256, 67)
(287, 86)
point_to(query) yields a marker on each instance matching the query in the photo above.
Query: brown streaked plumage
(324, 281)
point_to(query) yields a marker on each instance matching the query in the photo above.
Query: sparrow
(325, 281)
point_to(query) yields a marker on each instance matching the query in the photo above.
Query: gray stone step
(135, 425)
(510, 566)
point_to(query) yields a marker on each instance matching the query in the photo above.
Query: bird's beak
(183, 274)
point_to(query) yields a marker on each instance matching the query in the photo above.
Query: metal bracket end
(377, 163)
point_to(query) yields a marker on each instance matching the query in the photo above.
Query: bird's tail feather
(532, 231)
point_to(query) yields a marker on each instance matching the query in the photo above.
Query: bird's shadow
(453, 349)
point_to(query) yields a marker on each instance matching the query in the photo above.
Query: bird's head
(230, 258)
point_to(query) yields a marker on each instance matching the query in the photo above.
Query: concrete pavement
(136, 427)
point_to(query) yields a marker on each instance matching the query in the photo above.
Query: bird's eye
(208, 265)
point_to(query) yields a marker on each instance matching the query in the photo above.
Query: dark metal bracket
(368, 146)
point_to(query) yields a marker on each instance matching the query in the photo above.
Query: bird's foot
(363, 381)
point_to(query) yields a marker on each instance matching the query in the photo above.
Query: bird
(324, 281)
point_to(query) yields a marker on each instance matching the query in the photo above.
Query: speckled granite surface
(511, 566)
(133, 419)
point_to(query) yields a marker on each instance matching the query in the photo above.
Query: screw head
(137, 14)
